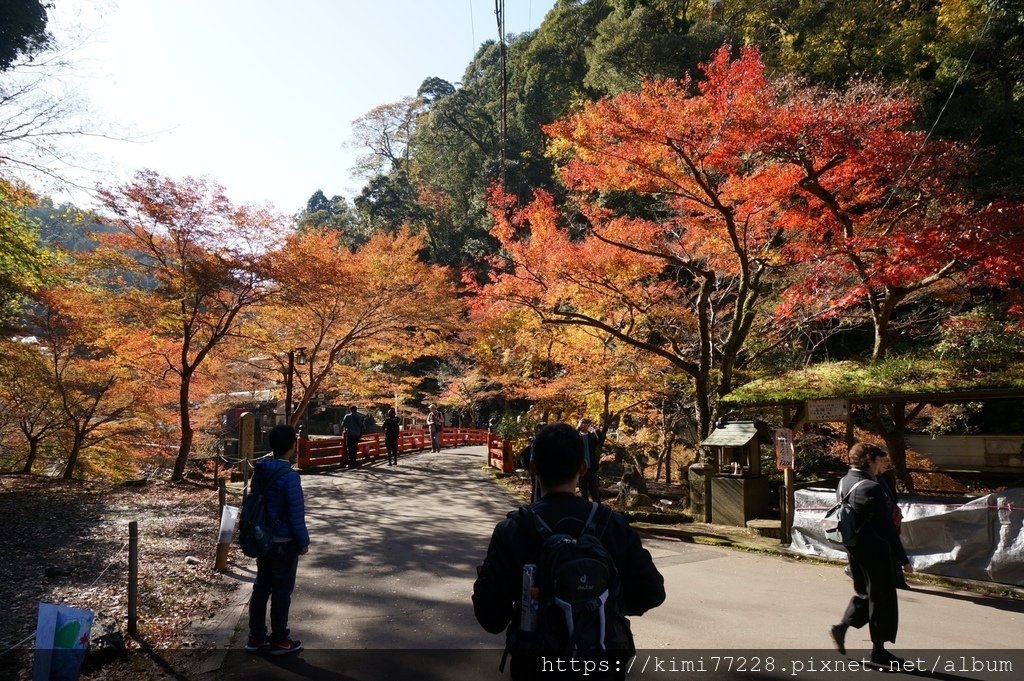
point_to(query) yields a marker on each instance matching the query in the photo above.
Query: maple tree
(352, 312)
(696, 199)
(682, 278)
(28, 396)
(94, 380)
(192, 262)
(883, 215)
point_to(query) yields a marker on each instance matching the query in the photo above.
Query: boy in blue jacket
(275, 572)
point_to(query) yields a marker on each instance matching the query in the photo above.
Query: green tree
(334, 214)
(24, 261)
(22, 31)
(650, 39)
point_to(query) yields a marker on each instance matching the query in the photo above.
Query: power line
(499, 11)
(472, 30)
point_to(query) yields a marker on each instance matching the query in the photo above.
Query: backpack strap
(593, 524)
(264, 486)
(844, 497)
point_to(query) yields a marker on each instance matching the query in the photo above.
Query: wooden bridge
(330, 451)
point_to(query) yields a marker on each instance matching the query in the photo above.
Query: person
(557, 461)
(874, 600)
(590, 487)
(391, 425)
(888, 480)
(275, 572)
(523, 462)
(435, 424)
(352, 425)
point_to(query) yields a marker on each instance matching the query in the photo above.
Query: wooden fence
(329, 451)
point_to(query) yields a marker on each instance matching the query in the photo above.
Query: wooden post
(222, 496)
(789, 478)
(783, 514)
(246, 443)
(133, 579)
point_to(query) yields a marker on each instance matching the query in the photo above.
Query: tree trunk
(881, 346)
(33, 451)
(76, 448)
(895, 441)
(185, 419)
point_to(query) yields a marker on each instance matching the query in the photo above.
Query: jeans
(391, 443)
(435, 440)
(275, 581)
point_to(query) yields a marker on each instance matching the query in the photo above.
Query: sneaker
(284, 647)
(838, 634)
(253, 644)
(885, 660)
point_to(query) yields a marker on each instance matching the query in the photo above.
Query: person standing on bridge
(590, 486)
(391, 426)
(435, 424)
(878, 546)
(517, 551)
(352, 425)
(275, 572)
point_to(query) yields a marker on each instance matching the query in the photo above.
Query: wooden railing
(331, 450)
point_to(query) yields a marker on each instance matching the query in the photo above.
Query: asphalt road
(384, 594)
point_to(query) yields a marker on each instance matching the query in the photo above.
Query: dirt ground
(66, 542)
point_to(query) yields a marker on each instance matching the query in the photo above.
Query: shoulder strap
(277, 474)
(543, 529)
(847, 495)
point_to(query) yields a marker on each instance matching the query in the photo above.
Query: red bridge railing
(331, 450)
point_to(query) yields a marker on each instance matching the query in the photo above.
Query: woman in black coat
(871, 559)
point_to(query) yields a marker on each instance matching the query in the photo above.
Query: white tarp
(982, 538)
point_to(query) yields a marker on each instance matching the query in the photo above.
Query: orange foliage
(350, 311)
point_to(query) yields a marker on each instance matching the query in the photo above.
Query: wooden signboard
(826, 411)
(784, 453)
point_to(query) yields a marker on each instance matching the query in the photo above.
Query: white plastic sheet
(980, 538)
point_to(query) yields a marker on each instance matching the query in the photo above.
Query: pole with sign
(785, 455)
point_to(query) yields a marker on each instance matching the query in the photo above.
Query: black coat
(873, 504)
(871, 560)
(514, 543)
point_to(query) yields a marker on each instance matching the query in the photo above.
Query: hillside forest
(632, 212)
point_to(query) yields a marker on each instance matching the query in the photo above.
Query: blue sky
(260, 95)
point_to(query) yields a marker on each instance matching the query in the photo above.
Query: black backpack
(841, 522)
(577, 594)
(254, 533)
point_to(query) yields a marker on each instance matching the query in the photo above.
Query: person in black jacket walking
(558, 464)
(391, 427)
(871, 559)
(275, 572)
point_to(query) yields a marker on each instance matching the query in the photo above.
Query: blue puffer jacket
(283, 499)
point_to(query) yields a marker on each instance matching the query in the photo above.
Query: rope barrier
(110, 562)
(18, 644)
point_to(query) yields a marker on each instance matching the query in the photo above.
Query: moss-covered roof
(915, 379)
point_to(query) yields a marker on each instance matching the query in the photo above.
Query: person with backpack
(352, 425)
(284, 511)
(877, 545)
(561, 571)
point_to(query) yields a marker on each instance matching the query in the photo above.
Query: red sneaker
(284, 647)
(255, 644)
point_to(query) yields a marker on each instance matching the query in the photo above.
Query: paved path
(384, 592)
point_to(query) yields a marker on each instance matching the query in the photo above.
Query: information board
(825, 411)
(784, 453)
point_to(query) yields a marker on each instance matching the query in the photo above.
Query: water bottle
(530, 601)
